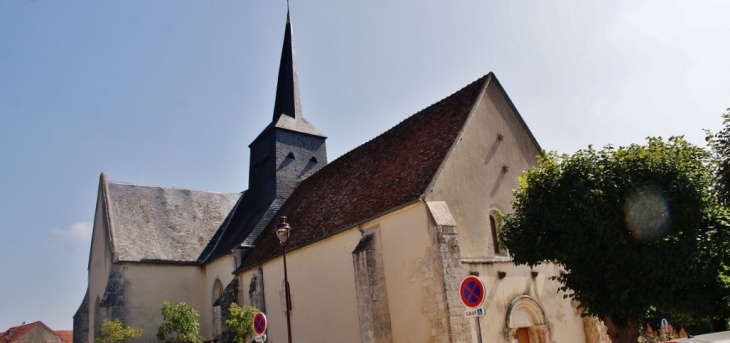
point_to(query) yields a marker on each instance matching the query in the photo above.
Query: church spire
(287, 88)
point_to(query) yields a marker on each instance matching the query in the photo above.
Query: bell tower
(289, 149)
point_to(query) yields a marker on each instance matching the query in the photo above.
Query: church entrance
(526, 321)
(522, 336)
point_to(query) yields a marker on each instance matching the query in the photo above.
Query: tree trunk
(717, 324)
(621, 330)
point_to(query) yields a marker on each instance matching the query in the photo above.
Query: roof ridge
(20, 330)
(169, 187)
(24, 325)
(486, 81)
(481, 79)
(378, 176)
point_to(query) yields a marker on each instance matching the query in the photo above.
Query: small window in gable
(495, 234)
(291, 155)
(313, 160)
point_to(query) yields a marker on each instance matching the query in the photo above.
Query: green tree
(719, 143)
(181, 324)
(114, 331)
(240, 322)
(638, 228)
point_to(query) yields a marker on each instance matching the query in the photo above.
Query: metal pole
(479, 330)
(287, 295)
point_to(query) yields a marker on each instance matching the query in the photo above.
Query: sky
(171, 92)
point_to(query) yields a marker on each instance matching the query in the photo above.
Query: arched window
(495, 233)
(217, 320)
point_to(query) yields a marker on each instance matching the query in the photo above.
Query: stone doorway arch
(526, 316)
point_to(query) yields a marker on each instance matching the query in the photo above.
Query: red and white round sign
(471, 291)
(259, 323)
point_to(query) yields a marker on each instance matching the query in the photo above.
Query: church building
(380, 238)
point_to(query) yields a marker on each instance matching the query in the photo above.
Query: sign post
(259, 326)
(472, 293)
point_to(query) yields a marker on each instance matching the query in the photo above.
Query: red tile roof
(391, 170)
(66, 335)
(17, 332)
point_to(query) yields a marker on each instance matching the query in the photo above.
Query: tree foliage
(114, 331)
(181, 324)
(637, 228)
(240, 322)
(719, 143)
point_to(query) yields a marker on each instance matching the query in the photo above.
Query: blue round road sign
(471, 291)
(259, 323)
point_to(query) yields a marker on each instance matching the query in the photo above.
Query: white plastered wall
(100, 260)
(148, 285)
(322, 290)
(405, 242)
(218, 269)
(474, 180)
(479, 178)
(562, 318)
(322, 282)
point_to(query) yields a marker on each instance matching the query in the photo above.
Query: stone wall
(595, 330)
(256, 290)
(113, 300)
(452, 271)
(372, 295)
(81, 321)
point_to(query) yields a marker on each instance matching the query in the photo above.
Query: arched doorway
(526, 321)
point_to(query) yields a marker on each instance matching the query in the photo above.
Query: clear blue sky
(172, 92)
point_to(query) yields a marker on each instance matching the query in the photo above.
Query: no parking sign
(471, 291)
(259, 323)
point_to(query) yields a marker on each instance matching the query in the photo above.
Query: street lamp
(282, 231)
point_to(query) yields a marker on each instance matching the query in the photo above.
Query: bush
(181, 324)
(114, 331)
(240, 322)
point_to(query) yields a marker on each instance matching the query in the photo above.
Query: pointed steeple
(287, 88)
(289, 149)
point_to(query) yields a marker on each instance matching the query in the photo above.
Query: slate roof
(287, 104)
(389, 171)
(246, 219)
(155, 224)
(250, 216)
(287, 100)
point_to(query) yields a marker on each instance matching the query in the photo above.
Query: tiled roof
(391, 170)
(17, 332)
(164, 224)
(66, 335)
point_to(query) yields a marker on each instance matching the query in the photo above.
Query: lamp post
(282, 231)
